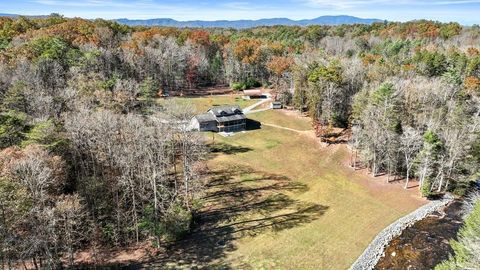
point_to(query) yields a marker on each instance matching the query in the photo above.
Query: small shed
(277, 105)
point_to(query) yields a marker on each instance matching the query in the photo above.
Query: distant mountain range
(323, 20)
(8, 15)
(17, 15)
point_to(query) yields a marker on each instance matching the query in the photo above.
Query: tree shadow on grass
(228, 149)
(236, 207)
(106, 266)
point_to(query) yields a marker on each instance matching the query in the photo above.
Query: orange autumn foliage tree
(472, 84)
(473, 52)
(75, 31)
(200, 37)
(279, 64)
(248, 51)
(144, 37)
(276, 48)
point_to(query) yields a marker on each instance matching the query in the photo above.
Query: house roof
(252, 92)
(222, 114)
(206, 117)
(220, 111)
(234, 117)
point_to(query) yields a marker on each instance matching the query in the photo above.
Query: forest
(89, 158)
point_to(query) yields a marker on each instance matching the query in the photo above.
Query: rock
(375, 250)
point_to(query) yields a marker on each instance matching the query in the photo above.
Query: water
(426, 243)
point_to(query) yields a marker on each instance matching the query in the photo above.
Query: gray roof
(222, 114)
(234, 117)
(206, 117)
(252, 92)
(226, 110)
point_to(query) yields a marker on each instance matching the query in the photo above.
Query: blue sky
(463, 11)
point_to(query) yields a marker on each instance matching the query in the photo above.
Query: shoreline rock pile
(375, 250)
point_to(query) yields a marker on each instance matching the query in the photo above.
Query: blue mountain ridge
(323, 20)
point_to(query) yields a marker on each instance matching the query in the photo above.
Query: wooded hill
(89, 159)
(322, 20)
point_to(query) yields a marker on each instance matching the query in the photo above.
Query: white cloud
(148, 9)
(87, 3)
(137, 4)
(348, 4)
(237, 5)
(343, 4)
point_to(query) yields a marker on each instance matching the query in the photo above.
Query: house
(277, 105)
(251, 94)
(228, 118)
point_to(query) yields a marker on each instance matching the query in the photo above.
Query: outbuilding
(251, 94)
(277, 105)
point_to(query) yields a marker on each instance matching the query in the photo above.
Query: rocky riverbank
(426, 243)
(373, 253)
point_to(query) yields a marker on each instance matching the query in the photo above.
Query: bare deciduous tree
(411, 141)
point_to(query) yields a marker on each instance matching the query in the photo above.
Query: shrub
(252, 83)
(13, 126)
(149, 88)
(350, 53)
(238, 86)
(49, 48)
(460, 188)
(248, 84)
(425, 189)
(176, 222)
(42, 133)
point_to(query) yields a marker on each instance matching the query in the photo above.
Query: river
(424, 244)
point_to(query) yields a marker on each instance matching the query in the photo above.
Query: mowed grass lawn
(333, 216)
(281, 119)
(204, 103)
(277, 200)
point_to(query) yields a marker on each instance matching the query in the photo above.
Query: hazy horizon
(462, 11)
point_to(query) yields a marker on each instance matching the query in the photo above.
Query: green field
(277, 200)
(280, 119)
(204, 103)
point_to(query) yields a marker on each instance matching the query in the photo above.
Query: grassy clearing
(276, 200)
(281, 119)
(204, 103)
(342, 215)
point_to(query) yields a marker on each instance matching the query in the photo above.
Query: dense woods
(89, 158)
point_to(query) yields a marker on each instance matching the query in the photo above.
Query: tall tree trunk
(186, 174)
(135, 218)
(155, 202)
(118, 218)
(422, 177)
(389, 171)
(439, 189)
(35, 264)
(174, 156)
(406, 182)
